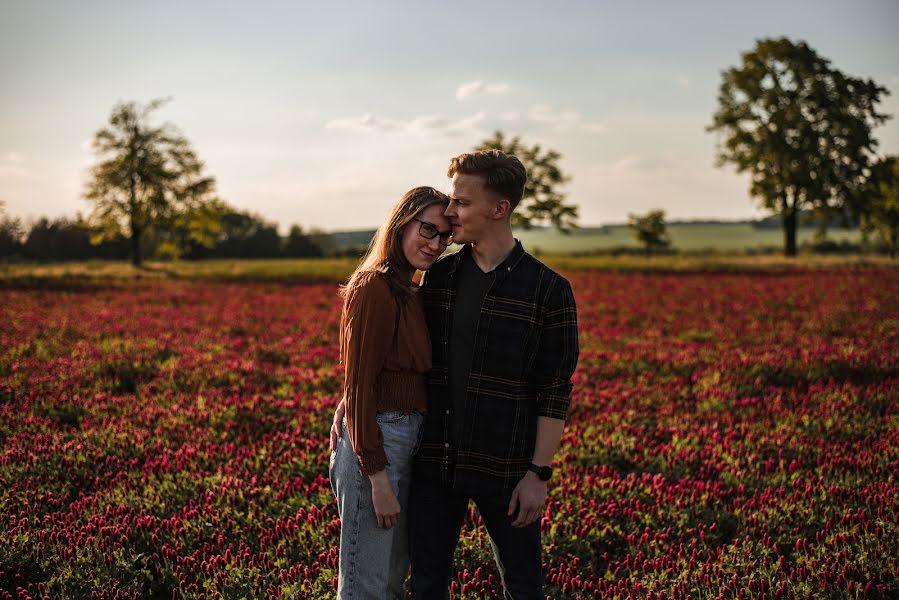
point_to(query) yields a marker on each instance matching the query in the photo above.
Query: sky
(324, 114)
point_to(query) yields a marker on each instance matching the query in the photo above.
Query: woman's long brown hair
(385, 252)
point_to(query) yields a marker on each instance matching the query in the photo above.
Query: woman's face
(420, 251)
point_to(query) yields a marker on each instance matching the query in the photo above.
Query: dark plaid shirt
(525, 352)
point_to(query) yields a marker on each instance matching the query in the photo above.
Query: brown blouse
(386, 351)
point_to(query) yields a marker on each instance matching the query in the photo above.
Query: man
(503, 330)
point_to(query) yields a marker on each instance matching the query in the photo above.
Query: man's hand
(527, 498)
(387, 507)
(337, 423)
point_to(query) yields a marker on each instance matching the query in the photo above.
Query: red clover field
(731, 435)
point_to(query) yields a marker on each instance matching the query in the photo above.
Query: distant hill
(762, 235)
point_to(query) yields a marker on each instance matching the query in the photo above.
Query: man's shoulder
(541, 271)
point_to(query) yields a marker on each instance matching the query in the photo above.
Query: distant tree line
(241, 235)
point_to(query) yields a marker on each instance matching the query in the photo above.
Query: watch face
(543, 473)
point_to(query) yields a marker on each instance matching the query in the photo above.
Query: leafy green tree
(543, 203)
(10, 233)
(68, 239)
(242, 235)
(149, 178)
(800, 128)
(299, 244)
(650, 230)
(881, 215)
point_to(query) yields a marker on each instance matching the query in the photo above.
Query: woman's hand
(387, 507)
(337, 423)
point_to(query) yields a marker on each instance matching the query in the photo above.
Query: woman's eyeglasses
(429, 232)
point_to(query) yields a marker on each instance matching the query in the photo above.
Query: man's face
(470, 209)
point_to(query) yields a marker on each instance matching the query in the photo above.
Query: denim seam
(356, 530)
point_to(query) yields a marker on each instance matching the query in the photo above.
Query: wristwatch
(543, 473)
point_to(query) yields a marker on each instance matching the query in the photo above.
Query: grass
(335, 269)
(110, 272)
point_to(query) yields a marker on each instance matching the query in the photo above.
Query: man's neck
(492, 250)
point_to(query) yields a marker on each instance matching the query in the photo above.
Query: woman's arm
(369, 332)
(368, 335)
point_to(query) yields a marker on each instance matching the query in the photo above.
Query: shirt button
(446, 445)
(447, 411)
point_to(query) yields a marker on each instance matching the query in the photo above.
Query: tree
(242, 235)
(148, 177)
(10, 233)
(299, 244)
(542, 202)
(68, 239)
(881, 215)
(800, 128)
(650, 230)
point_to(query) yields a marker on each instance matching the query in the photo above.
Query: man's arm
(530, 493)
(555, 364)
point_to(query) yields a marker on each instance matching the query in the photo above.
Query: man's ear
(502, 209)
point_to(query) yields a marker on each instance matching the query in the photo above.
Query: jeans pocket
(390, 416)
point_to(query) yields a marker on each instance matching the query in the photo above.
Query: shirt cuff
(554, 407)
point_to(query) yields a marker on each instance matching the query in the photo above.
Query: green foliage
(800, 128)
(10, 233)
(300, 244)
(242, 234)
(68, 239)
(881, 215)
(148, 178)
(650, 230)
(542, 203)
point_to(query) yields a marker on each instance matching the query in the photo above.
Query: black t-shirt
(472, 285)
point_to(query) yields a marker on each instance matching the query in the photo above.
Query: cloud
(473, 88)
(565, 120)
(424, 125)
(639, 164)
(440, 125)
(543, 113)
(12, 166)
(16, 172)
(367, 123)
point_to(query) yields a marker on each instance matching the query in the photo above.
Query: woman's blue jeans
(374, 562)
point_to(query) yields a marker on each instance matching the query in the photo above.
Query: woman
(386, 351)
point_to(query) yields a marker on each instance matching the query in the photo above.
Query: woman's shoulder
(368, 285)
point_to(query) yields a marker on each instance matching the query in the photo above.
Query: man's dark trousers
(436, 515)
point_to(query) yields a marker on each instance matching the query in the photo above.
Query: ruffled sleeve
(367, 334)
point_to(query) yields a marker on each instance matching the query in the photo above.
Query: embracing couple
(455, 390)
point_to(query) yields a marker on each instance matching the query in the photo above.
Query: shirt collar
(510, 262)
